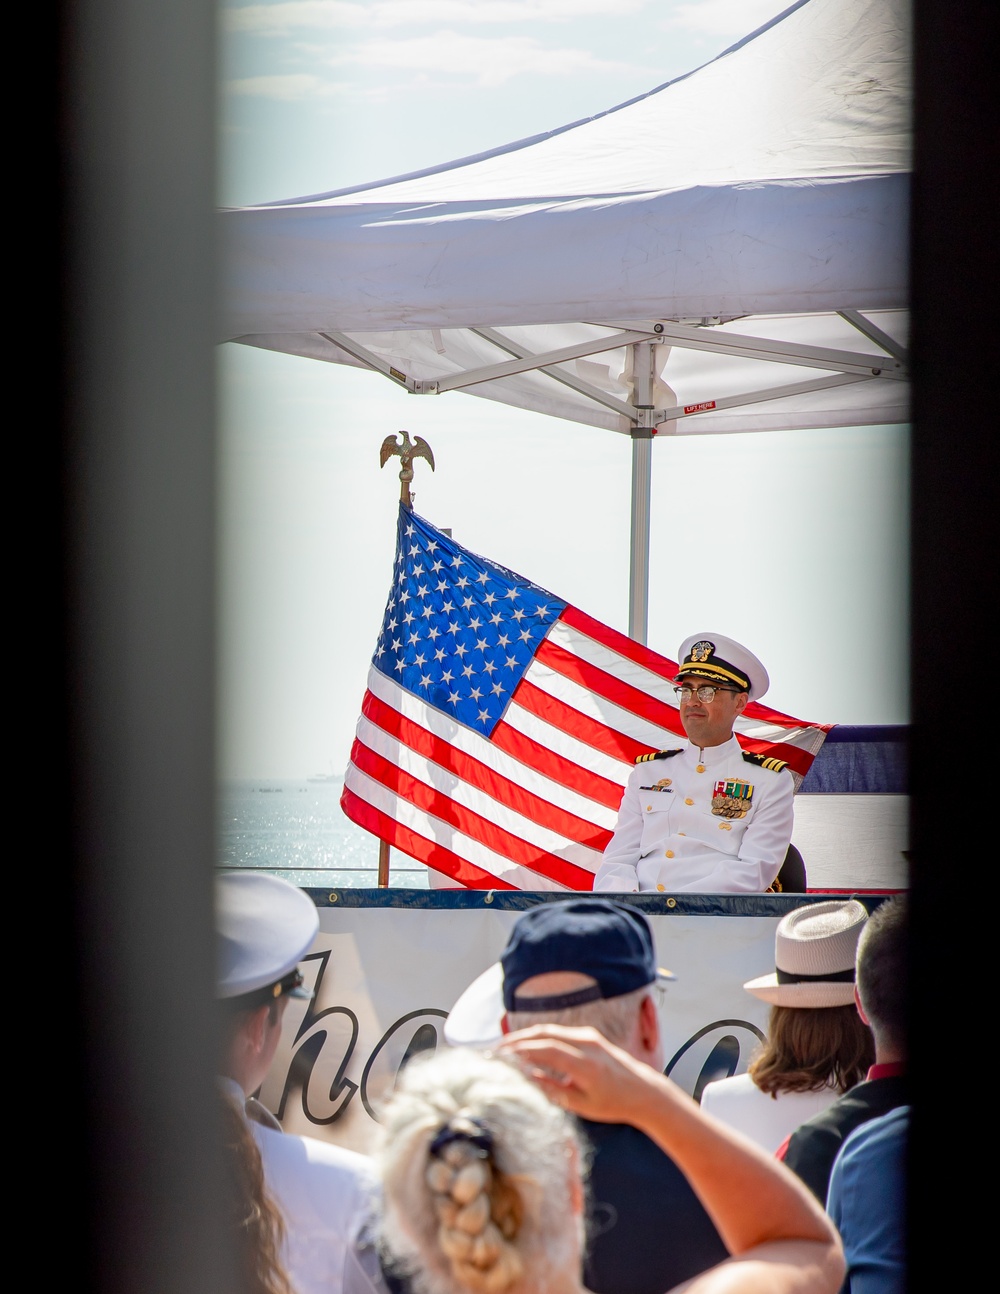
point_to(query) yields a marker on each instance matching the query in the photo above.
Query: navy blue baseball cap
(609, 942)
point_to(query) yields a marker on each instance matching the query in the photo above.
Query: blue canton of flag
(458, 631)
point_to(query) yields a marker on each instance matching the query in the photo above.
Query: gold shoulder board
(765, 761)
(657, 754)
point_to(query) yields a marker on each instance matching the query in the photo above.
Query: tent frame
(844, 368)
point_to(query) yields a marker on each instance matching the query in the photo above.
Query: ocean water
(298, 829)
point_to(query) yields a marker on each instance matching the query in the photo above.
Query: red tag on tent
(699, 408)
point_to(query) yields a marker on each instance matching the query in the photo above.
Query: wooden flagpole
(407, 451)
(383, 864)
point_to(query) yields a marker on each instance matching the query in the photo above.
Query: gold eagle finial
(407, 451)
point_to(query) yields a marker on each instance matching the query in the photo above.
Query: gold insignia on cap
(701, 651)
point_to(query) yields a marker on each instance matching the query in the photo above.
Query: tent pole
(638, 583)
(383, 864)
(642, 462)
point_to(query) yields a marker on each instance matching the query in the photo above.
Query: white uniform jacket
(713, 821)
(324, 1193)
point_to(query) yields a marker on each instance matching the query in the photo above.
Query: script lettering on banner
(384, 979)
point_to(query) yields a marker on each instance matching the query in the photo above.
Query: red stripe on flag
(648, 707)
(418, 847)
(794, 757)
(591, 731)
(613, 689)
(755, 710)
(620, 643)
(539, 757)
(483, 778)
(665, 667)
(473, 824)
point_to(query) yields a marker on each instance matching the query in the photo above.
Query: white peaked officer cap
(265, 926)
(715, 656)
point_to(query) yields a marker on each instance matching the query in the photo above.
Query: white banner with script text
(386, 976)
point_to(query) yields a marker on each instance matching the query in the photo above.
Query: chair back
(791, 878)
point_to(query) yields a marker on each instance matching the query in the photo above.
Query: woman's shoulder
(740, 1087)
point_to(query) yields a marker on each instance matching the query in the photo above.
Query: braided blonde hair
(477, 1172)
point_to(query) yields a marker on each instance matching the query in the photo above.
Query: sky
(795, 543)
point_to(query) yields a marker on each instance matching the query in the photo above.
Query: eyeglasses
(291, 984)
(705, 693)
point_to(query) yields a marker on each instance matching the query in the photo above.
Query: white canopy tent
(725, 253)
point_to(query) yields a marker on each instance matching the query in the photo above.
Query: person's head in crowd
(264, 927)
(815, 1036)
(480, 1180)
(575, 962)
(251, 1217)
(882, 976)
(590, 962)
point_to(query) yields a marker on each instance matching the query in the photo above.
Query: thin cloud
(292, 15)
(290, 88)
(401, 12)
(448, 56)
(730, 19)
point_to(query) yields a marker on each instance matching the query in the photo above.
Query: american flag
(500, 723)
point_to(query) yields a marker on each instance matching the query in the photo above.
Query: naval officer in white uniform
(704, 816)
(265, 926)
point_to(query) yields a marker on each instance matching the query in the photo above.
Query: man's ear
(742, 701)
(649, 1023)
(256, 1028)
(861, 1009)
(576, 1195)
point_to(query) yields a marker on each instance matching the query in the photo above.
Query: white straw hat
(814, 951)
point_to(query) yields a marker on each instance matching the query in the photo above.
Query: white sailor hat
(715, 656)
(264, 927)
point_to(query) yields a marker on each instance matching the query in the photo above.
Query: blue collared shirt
(867, 1202)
